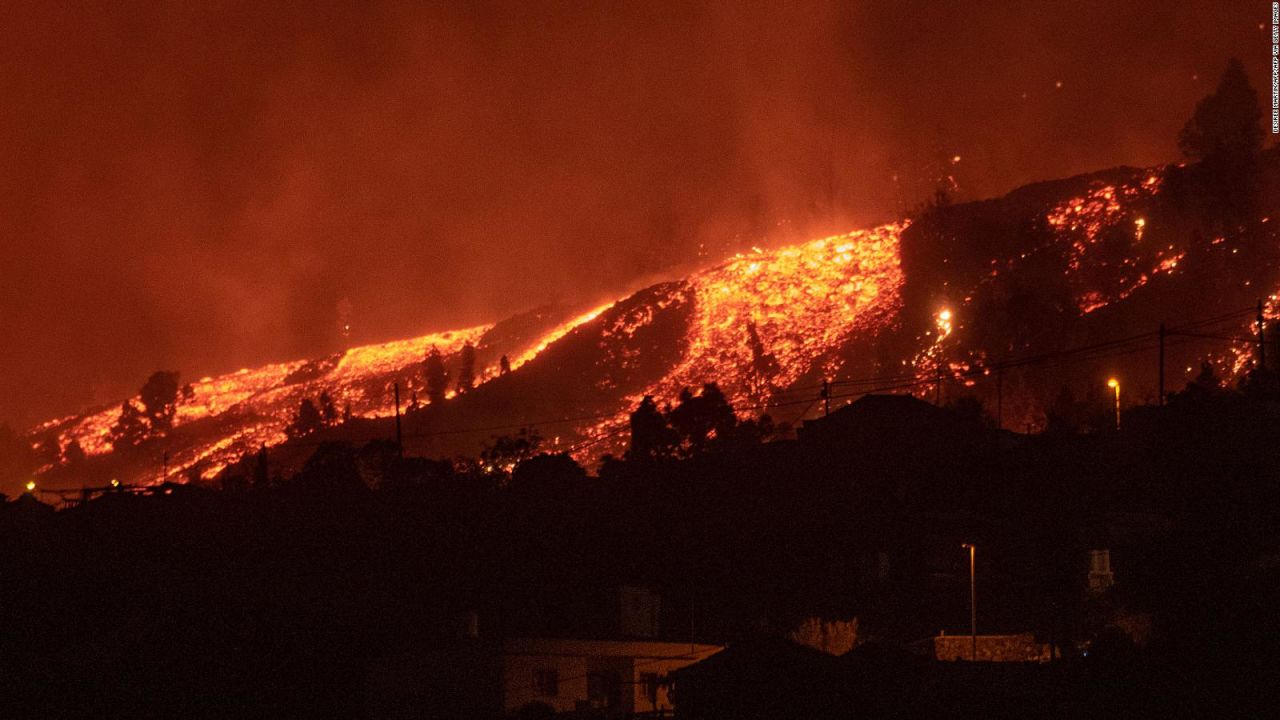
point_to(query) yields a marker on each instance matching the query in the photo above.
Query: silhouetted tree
(328, 412)
(1205, 386)
(651, 436)
(436, 376)
(504, 452)
(307, 421)
(1226, 123)
(346, 412)
(73, 453)
(130, 427)
(547, 471)
(466, 367)
(764, 363)
(159, 397)
(504, 365)
(1206, 380)
(1262, 383)
(261, 478)
(1225, 136)
(699, 420)
(971, 410)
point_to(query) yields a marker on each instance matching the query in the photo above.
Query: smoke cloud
(205, 186)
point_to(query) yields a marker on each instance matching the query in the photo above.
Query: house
(622, 676)
(618, 666)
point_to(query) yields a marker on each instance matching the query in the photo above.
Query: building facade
(619, 676)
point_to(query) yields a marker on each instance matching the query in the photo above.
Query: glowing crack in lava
(769, 318)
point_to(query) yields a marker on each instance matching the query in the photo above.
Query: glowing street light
(973, 604)
(31, 486)
(1114, 384)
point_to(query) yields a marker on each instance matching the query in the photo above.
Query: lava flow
(252, 407)
(761, 325)
(767, 319)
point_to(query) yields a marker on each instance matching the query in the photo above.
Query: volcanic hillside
(1056, 285)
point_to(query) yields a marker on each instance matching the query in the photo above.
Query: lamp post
(973, 605)
(1114, 384)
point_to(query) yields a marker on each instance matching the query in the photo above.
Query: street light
(973, 605)
(1114, 384)
(31, 486)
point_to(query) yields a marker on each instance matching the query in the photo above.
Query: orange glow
(1086, 223)
(252, 407)
(556, 334)
(804, 301)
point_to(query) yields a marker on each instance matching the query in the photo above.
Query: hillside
(1050, 266)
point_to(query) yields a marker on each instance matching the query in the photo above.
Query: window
(546, 682)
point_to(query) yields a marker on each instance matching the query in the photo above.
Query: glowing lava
(257, 404)
(766, 319)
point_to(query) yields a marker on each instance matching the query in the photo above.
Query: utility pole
(826, 397)
(399, 437)
(164, 467)
(1262, 346)
(1161, 373)
(937, 392)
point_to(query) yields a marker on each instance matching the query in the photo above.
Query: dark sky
(197, 186)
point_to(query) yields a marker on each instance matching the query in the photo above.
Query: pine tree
(261, 480)
(467, 368)
(763, 362)
(160, 400)
(1226, 123)
(328, 412)
(1224, 134)
(651, 436)
(436, 376)
(130, 428)
(307, 420)
(701, 420)
(73, 454)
